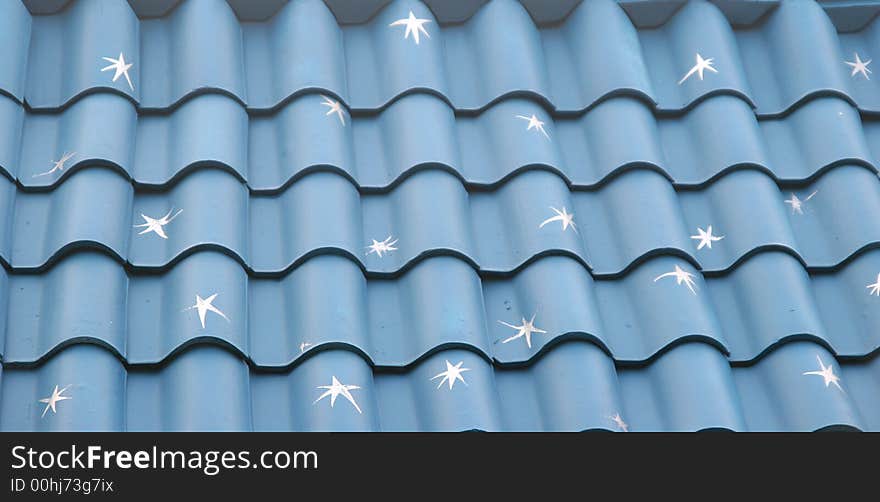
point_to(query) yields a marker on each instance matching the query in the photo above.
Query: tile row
(846, 16)
(610, 229)
(642, 13)
(269, 152)
(576, 386)
(595, 53)
(441, 302)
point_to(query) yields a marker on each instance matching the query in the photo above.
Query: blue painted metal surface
(265, 300)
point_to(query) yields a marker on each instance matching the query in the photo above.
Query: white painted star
(706, 238)
(303, 346)
(335, 389)
(413, 25)
(563, 216)
(335, 107)
(619, 422)
(156, 224)
(451, 374)
(524, 330)
(827, 374)
(859, 66)
(702, 64)
(52, 400)
(203, 305)
(534, 123)
(797, 204)
(121, 68)
(875, 287)
(57, 165)
(680, 277)
(385, 246)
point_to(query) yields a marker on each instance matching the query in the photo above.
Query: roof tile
(644, 216)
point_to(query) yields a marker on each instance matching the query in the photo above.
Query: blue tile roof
(586, 150)
(295, 217)
(574, 387)
(200, 48)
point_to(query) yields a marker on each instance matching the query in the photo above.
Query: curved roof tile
(557, 64)
(647, 216)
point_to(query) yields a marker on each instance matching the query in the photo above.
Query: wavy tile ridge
(279, 150)
(614, 315)
(541, 50)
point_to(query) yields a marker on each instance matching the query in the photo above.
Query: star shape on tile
(874, 287)
(562, 216)
(413, 25)
(336, 389)
(827, 374)
(706, 238)
(335, 107)
(524, 330)
(859, 66)
(120, 67)
(205, 305)
(534, 123)
(698, 68)
(157, 224)
(385, 246)
(680, 277)
(52, 400)
(619, 422)
(797, 204)
(57, 165)
(451, 375)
